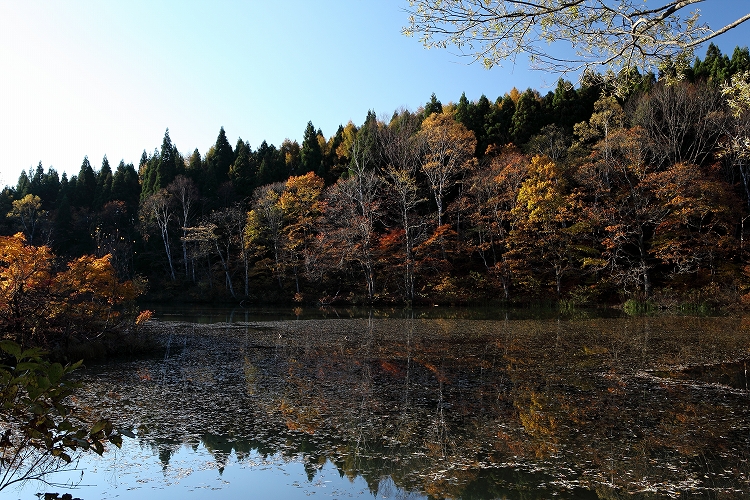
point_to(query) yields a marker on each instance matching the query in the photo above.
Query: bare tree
(682, 122)
(185, 192)
(157, 210)
(402, 149)
(352, 211)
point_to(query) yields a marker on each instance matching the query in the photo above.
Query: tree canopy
(604, 34)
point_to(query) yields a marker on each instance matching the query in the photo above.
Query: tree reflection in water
(599, 408)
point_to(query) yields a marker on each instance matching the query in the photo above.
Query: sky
(88, 78)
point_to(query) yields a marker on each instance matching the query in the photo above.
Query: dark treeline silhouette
(588, 195)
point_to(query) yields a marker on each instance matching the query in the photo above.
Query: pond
(388, 407)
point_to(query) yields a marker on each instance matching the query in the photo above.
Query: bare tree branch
(611, 34)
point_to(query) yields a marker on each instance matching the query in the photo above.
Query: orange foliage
(40, 306)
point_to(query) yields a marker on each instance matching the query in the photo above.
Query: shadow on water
(449, 407)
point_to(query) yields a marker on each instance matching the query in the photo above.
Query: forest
(627, 188)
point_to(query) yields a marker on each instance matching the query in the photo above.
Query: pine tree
(49, 190)
(85, 189)
(221, 159)
(24, 185)
(243, 172)
(103, 184)
(125, 186)
(169, 164)
(527, 118)
(740, 62)
(434, 106)
(499, 120)
(311, 155)
(463, 111)
(147, 172)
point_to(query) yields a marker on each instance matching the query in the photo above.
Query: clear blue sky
(104, 77)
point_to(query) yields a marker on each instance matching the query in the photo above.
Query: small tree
(157, 211)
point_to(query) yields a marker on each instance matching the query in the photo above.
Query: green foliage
(433, 106)
(635, 307)
(310, 154)
(221, 158)
(527, 118)
(44, 432)
(85, 187)
(243, 172)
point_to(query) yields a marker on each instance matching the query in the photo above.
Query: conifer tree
(310, 154)
(498, 122)
(434, 106)
(526, 119)
(169, 165)
(221, 159)
(125, 186)
(103, 184)
(85, 189)
(243, 172)
(24, 185)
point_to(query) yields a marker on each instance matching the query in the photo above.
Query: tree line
(587, 194)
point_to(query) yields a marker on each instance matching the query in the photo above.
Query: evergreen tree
(272, 166)
(24, 185)
(62, 223)
(499, 121)
(195, 163)
(170, 164)
(463, 111)
(289, 155)
(367, 141)
(527, 118)
(125, 186)
(103, 184)
(36, 179)
(148, 171)
(221, 158)
(85, 188)
(563, 107)
(142, 165)
(334, 165)
(64, 189)
(473, 116)
(434, 106)
(7, 195)
(714, 69)
(310, 154)
(243, 172)
(740, 62)
(49, 191)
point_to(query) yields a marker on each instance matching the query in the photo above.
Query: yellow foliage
(38, 305)
(540, 194)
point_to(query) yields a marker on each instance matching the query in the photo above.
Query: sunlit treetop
(604, 34)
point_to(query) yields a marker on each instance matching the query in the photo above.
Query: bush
(41, 433)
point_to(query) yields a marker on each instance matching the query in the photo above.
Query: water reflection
(237, 314)
(452, 408)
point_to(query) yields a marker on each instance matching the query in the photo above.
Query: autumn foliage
(583, 195)
(44, 304)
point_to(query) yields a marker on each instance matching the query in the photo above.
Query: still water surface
(414, 407)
